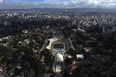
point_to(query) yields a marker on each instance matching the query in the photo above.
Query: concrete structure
(58, 58)
(61, 48)
(58, 49)
(25, 31)
(51, 41)
(80, 56)
(58, 63)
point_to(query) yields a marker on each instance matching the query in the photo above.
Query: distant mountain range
(61, 9)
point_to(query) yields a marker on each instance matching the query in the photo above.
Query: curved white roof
(58, 68)
(58, 57)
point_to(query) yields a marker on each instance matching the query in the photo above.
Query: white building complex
(56, 45)
(58, 63)
(58, 49)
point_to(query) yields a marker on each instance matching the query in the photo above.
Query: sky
(27, 4)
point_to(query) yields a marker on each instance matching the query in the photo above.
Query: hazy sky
(25, 4)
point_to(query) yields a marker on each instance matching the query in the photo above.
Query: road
(58, 34)
(68, 45)
(100, 41)
(71, 44)
(44, 45)
(47, 74)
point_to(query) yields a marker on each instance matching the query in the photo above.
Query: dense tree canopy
(48, 57)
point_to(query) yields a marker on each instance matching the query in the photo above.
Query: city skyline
(46, 42)
(28, 4)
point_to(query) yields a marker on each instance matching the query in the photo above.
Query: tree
(48, 57)
(72, 52)
(66, 72)
(5, 59)
(50, 70)
(53, 75)
(69, 61)
(4, 41)
(6, 52)
(76, 72)
(40, 68)
(45, 52)
(38, 75)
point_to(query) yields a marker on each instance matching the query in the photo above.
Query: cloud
(6, 1)
(54, 0)
(60, 4)
(1, 1)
